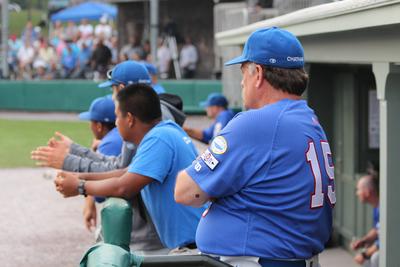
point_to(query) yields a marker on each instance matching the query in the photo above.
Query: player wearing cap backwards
(217, 109)
(269, 172)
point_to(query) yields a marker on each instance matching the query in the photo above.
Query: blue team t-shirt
(220, 122)
(164, 151)
(259, 170)
(111, 144)
(376, 223)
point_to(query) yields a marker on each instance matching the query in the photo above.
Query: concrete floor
(336, 257)
(37, 226)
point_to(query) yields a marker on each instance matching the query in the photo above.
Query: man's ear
(367, 192)
(260, 75)
(131, 119)
(99, 127)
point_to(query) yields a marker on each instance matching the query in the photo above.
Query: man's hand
(60, 140)
(359, 259)
(89, 213)
(49, 156)
(67, 184)
(95, 144)
(54, 153)
(357, 244)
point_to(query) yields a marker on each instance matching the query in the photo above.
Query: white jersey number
(317, 198)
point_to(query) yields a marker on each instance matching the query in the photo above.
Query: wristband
(365, 256)
(81, 188)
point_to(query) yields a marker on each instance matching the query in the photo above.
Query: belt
(190, 246)
(281, 263)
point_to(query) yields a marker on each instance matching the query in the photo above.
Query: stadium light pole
(4, 38)
(154, 28)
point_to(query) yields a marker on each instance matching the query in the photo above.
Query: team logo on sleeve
(186, 140)
(219, 145)
(209, 159)
(197, 166)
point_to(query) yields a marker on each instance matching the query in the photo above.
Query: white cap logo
(272, 60)
(295, 59)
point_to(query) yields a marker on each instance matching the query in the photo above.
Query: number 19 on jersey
(317, 198)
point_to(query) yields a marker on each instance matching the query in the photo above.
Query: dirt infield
(37, 226)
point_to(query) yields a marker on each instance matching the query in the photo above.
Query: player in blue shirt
(171, 149)
(368, 192)
(101, 114)
(269, 173)
(154, 78)
(216, 107)
(163, 150)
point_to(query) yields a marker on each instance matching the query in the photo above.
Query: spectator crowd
(85, 51)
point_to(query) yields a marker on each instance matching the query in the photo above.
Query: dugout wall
(352, 48)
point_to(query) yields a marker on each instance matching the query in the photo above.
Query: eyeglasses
(109, 77)
(109, 74)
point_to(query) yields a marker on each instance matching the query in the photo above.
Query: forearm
(75, 163)
(371, 236)
(187, 192)
(89, 201)
(125, 186)
(85, 152)
(371, 250)
(112, 187)
(94, 176)
(194, 133)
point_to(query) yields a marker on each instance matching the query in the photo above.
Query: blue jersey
(376, 217)
(164, 151)
(220, 122)
(111, 144)
(271, 173)
(376, 222)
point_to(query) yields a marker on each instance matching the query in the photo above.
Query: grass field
(18, 138)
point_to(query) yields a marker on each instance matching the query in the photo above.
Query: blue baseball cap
(273, 47)
(102, 109)
(150, 68)
(127, 72)
(215, 99)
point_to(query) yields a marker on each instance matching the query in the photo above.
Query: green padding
(107, 255)
(60, 95)
(116, 222)
(76, 95)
